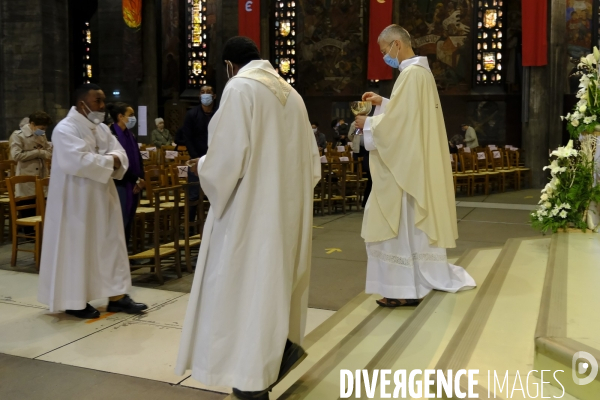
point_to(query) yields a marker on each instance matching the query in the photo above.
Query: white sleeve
(200, 163)
(381, 109)
(73, 158)
(228, 151)
(368, 136)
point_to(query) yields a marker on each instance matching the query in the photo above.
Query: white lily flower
(587, 120)
(563, 152)
(584, 82)
(567, 206)
(540, 219)
(563, 214)
(591, 60)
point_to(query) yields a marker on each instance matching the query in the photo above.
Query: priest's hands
(117, 162)
(359, 121)
(374, 98)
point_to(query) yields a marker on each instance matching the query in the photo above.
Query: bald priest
(410, 217)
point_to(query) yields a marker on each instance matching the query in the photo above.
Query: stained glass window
(197, 40)
(283, 41)
(87, 62)
(490, 36)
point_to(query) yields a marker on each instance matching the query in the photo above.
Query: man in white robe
(410, 217)
(247, 310)
(84, 255)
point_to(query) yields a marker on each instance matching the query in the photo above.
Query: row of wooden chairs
(152, 155)
(167, 209)
(488, 169)
(341, 186)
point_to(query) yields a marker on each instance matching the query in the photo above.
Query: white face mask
(39, 132)
(131, 122)
(206, 99)
(314, 130)
(95, 116)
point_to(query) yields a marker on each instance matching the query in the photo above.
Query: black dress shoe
(88, 312)
(293, 355)
(126, 305)
(261, 395)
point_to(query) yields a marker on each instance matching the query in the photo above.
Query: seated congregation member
(160, 135)
(30, 149)
(245, 318)
(84, 256)
(132, 184)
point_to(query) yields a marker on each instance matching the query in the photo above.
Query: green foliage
(567, 203)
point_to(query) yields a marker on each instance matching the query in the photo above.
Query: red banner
(249, 20)
(535, 40)
(380, 17)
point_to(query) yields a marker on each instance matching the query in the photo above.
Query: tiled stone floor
(337, 276)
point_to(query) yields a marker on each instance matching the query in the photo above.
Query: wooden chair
(497, 158)
(166, 227)
(4, 151)
(191, 229)
(152, 158)
(336, 186)
(492, 177)
(319, 193)
(155, 179)
(460, 179)
(514, 160)
(7, 169)
(164, 161)
(354, 185)
(41, 194)
(470, 167)
(19, 204)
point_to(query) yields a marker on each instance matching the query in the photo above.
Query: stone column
(34, 60)
(557, 61)
(543, 130)
(535, 131)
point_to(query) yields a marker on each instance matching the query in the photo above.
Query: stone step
(385, 337)
(569, 321)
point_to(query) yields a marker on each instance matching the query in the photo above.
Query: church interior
(504, 69)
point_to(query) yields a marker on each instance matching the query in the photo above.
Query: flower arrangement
(584, 117)
(565, 199)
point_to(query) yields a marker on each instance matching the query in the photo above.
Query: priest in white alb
(84, 256)
(247, 310)
(410, 217)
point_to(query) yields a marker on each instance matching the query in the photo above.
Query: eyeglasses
(389, 47)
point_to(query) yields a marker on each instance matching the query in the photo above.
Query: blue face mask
(131, 122)
(39, 132)
(206, 99)
(392, 62)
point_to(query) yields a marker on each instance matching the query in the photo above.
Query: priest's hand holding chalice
(363, 108)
